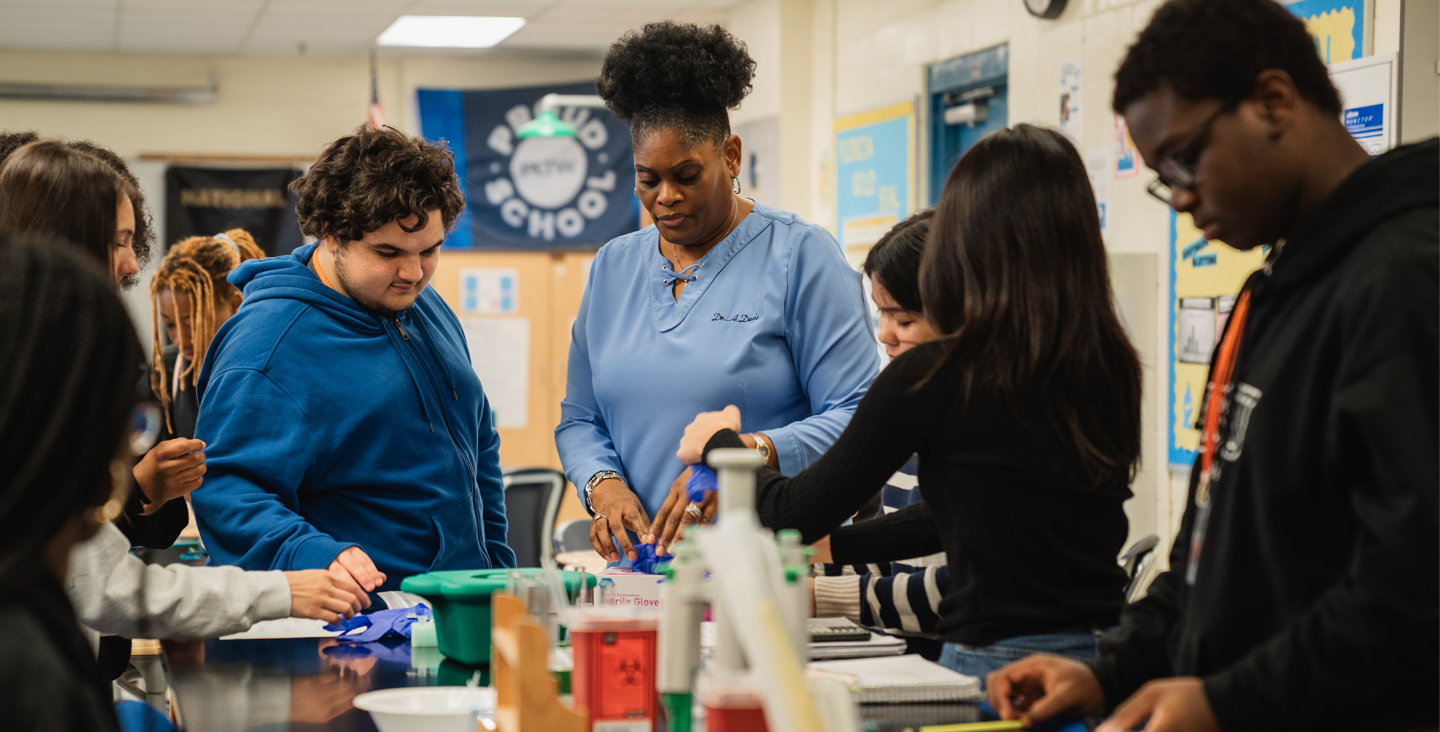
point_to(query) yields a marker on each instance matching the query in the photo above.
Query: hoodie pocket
(459, 537)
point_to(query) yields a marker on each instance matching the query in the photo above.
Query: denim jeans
(1081, 645)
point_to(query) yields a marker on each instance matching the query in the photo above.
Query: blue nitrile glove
(394, 651)
(645, 559)
(702, 479)
(379, 624)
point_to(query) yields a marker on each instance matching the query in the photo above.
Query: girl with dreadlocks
(190, 299)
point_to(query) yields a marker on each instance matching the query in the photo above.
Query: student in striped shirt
(902, 597)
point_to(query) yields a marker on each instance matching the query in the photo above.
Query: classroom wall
(267, 106)
(864, 55)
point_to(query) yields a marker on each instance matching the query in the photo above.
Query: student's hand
(672, 518)
(1039, 687)
(1170, 705)
(355, 564)
(316, 593)
(621, 510)
(821, 555)
(699, 432)
(171, 469)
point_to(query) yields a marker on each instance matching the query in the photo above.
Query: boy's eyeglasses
(1177, 170)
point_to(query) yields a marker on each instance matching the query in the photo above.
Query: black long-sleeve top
(1316, 598)
(48, 678)
(1031, 550)
(160, 529)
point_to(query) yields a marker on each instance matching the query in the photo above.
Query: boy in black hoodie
(1303, 586)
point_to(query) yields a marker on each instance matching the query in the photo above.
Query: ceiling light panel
(449, 31)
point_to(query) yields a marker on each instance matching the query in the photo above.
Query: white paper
(490, 290)
(1070, 99)
(1367, 96)
(500, 353)
(1097, 165)
(284, 628)
(1197, 329)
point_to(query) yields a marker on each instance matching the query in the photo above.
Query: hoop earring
(735, 184)
(120, 490)
(637, 194)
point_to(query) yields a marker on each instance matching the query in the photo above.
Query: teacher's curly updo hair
(677, 76)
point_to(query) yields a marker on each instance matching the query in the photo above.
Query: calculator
(836, 630)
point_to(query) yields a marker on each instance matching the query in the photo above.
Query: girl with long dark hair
(65, 402)
(1025, 414)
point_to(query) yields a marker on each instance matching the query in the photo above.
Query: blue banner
(536, 193)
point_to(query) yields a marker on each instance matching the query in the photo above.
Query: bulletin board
(516, 309)
(874, 173)
(1205, 276)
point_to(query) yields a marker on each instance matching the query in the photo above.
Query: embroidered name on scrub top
(741, 318)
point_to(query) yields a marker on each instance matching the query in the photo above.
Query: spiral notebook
(901, 680)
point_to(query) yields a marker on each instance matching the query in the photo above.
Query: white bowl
(428, 708)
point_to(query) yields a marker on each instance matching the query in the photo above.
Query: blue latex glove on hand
(645, 559)
(702, 479)
(379, 624)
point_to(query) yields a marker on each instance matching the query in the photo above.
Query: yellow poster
(1205, 277)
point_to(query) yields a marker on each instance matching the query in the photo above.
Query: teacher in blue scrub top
(723, 301)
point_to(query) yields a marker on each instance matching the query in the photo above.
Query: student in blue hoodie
(345, 427)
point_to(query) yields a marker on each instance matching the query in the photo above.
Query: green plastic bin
(461, 601)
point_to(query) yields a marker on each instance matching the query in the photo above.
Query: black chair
(532, 501)
(572, 536)
(1137, 561)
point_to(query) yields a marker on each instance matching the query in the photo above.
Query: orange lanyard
(1215, 400)
(321, 271)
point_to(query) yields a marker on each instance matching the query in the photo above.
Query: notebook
(901, 680)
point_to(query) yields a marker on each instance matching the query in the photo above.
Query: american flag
(376, 115)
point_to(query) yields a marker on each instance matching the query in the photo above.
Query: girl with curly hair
(723, 301)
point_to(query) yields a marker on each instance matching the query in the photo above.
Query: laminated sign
(537, 192)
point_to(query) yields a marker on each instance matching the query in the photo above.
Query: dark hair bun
(677, 65)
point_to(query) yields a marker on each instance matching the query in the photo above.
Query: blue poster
(874, 167)
(536, 193)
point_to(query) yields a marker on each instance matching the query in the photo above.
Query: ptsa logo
(548, 191)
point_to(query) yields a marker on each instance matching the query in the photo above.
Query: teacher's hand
(616, 509)
(672, 518)
(699, 432)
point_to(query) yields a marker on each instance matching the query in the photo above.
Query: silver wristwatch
(594, 481)
(761, 447)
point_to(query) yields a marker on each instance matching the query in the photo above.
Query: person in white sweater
(115, 593)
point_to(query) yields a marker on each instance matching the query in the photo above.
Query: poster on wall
(1070, 99)
(206, 201)
(1338, 27)
(1368, 88)
(490, 290)
(500, 354)
(874, 173)
(539, 192)
(1205, 277)
(1127, 159)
